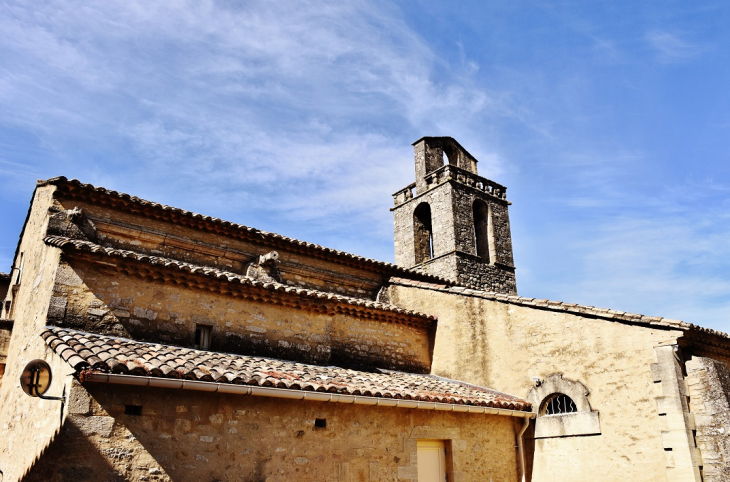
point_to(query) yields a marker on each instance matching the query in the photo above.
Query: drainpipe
(521, 448)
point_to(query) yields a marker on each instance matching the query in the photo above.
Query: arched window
(423, 233)
(558, 404)
(562, 408)
(481, 230)
(450, 155)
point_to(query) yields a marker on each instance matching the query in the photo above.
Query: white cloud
(279, 105)
(670, 48)
(670, 260)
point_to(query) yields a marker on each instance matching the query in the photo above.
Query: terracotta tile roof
(76, 189)
(573, 308)
(68, 244)
(123, 356)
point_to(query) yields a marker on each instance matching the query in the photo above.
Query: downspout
(521, 448)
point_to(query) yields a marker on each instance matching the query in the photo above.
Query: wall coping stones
(605, 313)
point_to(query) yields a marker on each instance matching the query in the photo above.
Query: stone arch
(555, 383)
(582, 421)
(450, 154)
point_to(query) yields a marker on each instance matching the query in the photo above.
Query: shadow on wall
(529, 447)
(72, 457)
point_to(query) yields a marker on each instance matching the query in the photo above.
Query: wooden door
(431, 461)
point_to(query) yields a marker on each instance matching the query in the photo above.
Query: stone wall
(504, 345)
(184, 435)
(442, 222)
(472, 272)
(95, 297)
(709, 390)
(29, 424)
(155, 237)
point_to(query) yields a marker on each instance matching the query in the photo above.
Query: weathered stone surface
(165, 270)
(274, 439)
(169, 314)
(709, 390)
(456, 225)
(95, 425)
(505, 345)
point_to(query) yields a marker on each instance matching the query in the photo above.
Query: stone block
(99, 425)
(79, 401)
(569, 424)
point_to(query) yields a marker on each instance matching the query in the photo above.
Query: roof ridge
(62, 180)
(63, 242)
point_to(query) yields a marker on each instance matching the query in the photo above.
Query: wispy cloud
(297, 118)
(670, 48)
(279, 106)
(668, 259)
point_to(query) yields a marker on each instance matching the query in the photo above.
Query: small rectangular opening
(20, 270)
(202, 337)
(135, 410)
(667, 449)
(320, 423)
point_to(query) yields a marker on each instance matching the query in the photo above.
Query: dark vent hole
(133, 410)
(320, 423)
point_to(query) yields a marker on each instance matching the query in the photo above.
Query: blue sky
(609, 121)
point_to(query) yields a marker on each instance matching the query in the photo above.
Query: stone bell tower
(452, 222)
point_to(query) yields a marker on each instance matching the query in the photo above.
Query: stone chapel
(168, 345)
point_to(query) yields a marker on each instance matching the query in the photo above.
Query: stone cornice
(74, 189)
(165, 270)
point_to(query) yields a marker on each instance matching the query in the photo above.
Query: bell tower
(453, 223)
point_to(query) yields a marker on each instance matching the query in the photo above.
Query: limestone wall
(440, 201)
(156, 237)
(709, 392)
(504, 345)
(451, 200)
(28, 424)
(93, 297)
(183, 435)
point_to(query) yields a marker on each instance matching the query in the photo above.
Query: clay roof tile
(133, 358)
